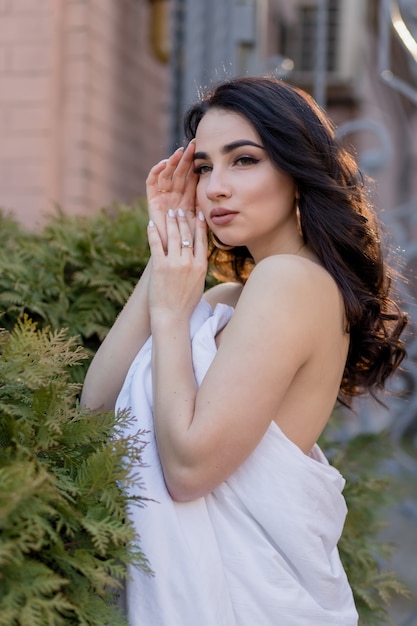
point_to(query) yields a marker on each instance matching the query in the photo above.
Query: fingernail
(162, 161)
(171, 213)
(181, 148)
(201, 216)
(180, 212)
(150, 224)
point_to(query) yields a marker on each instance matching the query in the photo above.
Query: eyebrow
(229, 147)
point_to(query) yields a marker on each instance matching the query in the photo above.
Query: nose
(218, 185)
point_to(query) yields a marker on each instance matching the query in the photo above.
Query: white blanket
(260, 550)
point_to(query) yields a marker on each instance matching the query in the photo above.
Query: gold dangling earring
(298, 220)
(219, 244)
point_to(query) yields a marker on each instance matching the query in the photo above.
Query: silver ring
(186, 243)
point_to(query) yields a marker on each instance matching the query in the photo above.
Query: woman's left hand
(178, 274)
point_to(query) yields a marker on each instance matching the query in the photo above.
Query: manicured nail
(150, 224)
(180, 149)
(201, 216)
(171, 213)
(180, 212)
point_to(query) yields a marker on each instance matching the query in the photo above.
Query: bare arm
(109, 367)
(279, 358)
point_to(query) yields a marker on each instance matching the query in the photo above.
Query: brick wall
(25, 63)
(83, 105)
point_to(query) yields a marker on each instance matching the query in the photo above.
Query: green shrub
(65, 540)
(368, 491)
(77, 273)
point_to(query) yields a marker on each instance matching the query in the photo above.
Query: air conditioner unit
(344, 41)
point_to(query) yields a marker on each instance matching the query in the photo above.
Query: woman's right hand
(171, 184)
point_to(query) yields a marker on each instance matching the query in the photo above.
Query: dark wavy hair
(338, 222)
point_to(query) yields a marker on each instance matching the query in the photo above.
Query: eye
(202, 169)
(246, 160)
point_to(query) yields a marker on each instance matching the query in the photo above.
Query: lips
(222, 216)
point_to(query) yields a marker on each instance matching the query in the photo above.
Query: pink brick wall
(25, 36)
(83, 105)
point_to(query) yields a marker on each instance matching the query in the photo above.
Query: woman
(236, 385)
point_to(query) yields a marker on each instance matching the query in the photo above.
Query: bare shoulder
(224, 293)
(286, 266)
(300, 288)
(280, 280)
(292, 272)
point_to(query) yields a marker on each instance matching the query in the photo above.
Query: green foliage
(65, 541)
(367, 492)
(76, 274)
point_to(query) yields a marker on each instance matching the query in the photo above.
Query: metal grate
(325, 34)
(304, 52)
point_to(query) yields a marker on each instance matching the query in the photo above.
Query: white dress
(260, 550)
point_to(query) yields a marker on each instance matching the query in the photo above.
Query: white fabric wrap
(260, 550)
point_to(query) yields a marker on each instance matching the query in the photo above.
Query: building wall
(83, 105)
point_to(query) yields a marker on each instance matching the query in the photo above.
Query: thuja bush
(76, 273)
(368, 492)
(65, 541)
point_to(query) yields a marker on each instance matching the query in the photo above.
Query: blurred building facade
(83, 104)
(92, 92)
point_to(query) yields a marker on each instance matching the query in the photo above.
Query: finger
(165, 182)
(173, 233)
(155, 243)
(185, 179)
(180, 173)
(186, 164)
(153, 177)
(190, 217)
(200, 237)
(186, 234)
(189, 193)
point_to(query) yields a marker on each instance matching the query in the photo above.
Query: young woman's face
(245, 199)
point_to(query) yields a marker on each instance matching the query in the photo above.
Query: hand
(171, 184)
(177, 278)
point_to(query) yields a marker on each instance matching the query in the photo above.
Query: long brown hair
(338, 221)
